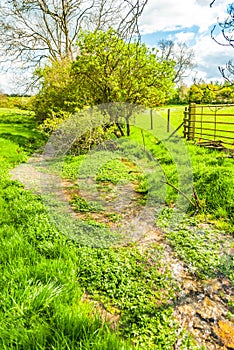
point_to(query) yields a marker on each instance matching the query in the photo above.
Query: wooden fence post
(185, 122)
(151, 120)
(168, 119)
(192, 121)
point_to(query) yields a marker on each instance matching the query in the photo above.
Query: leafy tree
(36, 32)
(110, 70)
(202, 93)
(211, 93)
(107, 69)
(225, 94)
(195, 94)
(181, 95)
(56, 99)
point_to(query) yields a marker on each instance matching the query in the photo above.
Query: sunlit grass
(41, 299)
(45, 273)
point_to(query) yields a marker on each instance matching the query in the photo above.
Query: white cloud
(190, 21)
(167, 15)
(184, 37)
(209, 55)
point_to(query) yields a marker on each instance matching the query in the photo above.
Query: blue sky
(152, 39)
(188, 21)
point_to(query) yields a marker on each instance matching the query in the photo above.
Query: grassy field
(176, 118)
(205, 122)
(57, 293)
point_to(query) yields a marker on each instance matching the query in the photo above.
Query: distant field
(160, 117)
(19, 128)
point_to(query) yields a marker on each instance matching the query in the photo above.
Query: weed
(113, 217)
(79, 204)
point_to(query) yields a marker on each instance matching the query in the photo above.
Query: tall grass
(41, 299)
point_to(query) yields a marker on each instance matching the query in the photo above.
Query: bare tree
(181, 54)
(226, 28)
(212, 2)
(34, 30)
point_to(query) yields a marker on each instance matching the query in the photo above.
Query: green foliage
(210, 93)
(198, 249)
(41, 304)
(56, 98)
(212, 176)
(201, 248)
(41, 301)
(205, 93)
(45, 274)
(181, 95)
(20, 102)
(81, 205)
(214, 185)
(115, 172)
(124, 278)
(113, 217)
(110, 70)
(92, 138)
(107, 69)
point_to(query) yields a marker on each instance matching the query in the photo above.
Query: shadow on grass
(34, 140)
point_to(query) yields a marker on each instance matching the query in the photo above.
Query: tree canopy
(110, 70)
(107, 69)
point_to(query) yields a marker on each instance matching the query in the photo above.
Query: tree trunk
(120, 129)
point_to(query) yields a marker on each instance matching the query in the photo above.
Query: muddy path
(201, 306)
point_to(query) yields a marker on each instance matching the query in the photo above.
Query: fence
(212, 124)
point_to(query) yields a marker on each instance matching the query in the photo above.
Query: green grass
(205, 250)
(212, 172)
(41, 299)
(45, 273)
(176, 117)
(19, 128)
(79, 204)
(205, 121)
